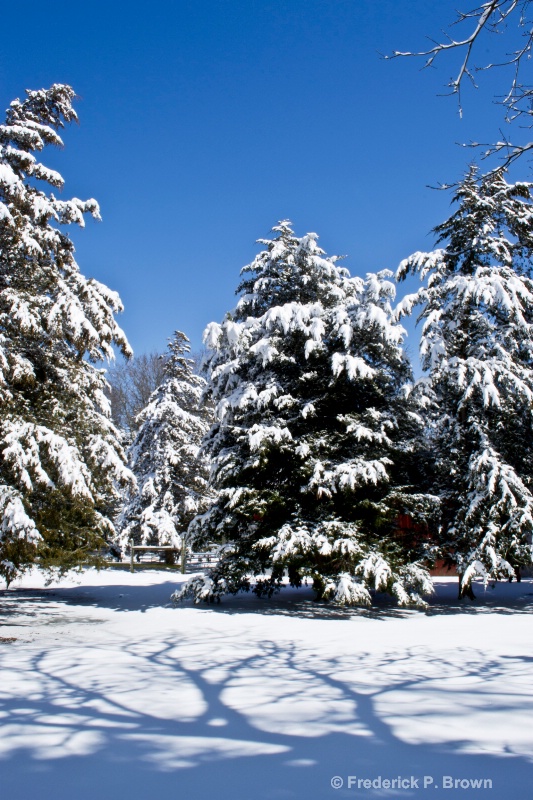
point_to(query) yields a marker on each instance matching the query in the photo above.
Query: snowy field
(109, 692)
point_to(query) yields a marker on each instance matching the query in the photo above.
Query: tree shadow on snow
(154, 718)
(298, 603)
(504, 599)
(115, 597)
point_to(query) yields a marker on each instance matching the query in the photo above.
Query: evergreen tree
(311, 391)
(477, 345)
(60, 460)
(171, 474)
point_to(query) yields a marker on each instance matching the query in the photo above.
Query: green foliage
(477, 345)
(316, 423)
(61, 463)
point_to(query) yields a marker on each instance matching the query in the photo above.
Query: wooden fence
(189, 561)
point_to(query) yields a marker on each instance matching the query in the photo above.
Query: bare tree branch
(131, 384)
(491, 17)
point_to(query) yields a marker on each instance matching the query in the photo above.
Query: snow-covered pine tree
(477, 346)
(314, 424)
(164, 457)
(60, 460)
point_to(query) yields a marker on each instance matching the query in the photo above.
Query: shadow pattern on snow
(298, 603)
(159, 718)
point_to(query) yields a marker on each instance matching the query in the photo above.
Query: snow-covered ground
(109, 692)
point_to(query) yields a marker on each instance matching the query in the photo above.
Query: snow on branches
(313, 427)
(61, 464)
(477, 344)
(165, 456)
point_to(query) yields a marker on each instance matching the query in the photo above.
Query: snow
(164, 456)
(14, 518)
(476, 345)
(355, 367)
(307, 347)
(110, 692)
(56, 436)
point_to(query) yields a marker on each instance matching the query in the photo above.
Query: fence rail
(188, 560)
(197, 561)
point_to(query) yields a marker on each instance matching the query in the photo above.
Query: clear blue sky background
(203, 122)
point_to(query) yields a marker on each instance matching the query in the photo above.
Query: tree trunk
(465, 591)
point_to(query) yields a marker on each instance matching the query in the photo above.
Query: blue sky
(202, 123)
